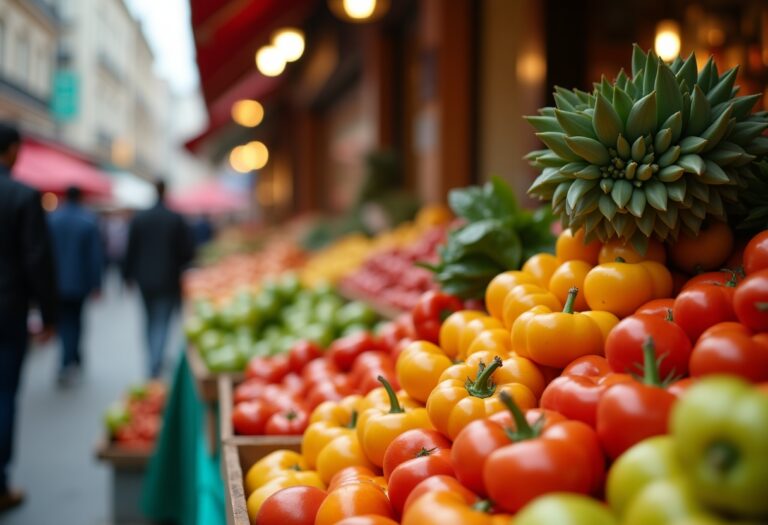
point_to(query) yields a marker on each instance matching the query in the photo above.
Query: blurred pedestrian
(26, 275)
(79, 263)
(159, 248)
(202, 230)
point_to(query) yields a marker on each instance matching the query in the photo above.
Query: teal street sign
(65, 103)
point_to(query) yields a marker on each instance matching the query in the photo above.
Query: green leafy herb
(498, 236)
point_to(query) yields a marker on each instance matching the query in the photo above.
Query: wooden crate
(127, 477)
(238, 453)
(255, 447)
(205, 380)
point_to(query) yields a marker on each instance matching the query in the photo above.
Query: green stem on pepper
(572, 293)
(394, 403)
(484, 386)
(352, 420)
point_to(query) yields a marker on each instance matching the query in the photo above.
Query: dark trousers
(158, 310)
(70, 328)
(13, 346)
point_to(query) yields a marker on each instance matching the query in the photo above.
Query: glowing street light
(248, 113)
(290, 42)
(270, 61)
(359, 11)
(667, 42)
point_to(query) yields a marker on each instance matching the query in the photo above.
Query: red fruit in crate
(270, 369)
(250, 417)
(291, 506)
(301, 353)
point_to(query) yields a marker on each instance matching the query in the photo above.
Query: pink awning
(209, 197)
(50, 168)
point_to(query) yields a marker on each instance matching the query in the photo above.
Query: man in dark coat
(26, 275)
(79, 263)
(159, 248)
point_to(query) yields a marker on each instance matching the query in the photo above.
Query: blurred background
(268, 117)
(241, 115)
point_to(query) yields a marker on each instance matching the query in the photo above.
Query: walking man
(79, 263)
(159, 248)
(26, 275)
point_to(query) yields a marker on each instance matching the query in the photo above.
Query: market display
(134, 422)
(614, 375)
(271, 321)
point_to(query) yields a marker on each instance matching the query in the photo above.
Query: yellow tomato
(571, 246)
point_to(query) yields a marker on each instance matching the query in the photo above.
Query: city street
(58, 429)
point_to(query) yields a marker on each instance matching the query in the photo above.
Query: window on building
(22, 58)
(2, 45)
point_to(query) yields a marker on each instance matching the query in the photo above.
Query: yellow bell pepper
(451, 329)
(556, 338)
(328, 421)
(621, 287)
(500, 286)
(344, 451)
(541, 266)
(418, 368)
(496, 340)
(271, 466)
(458, 400)
(473, 329)
(514, 369)
(378, 427)
(291, 479)
(523, 297)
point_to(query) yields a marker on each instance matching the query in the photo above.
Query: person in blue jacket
(79, 262)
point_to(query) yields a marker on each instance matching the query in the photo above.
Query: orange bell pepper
(418, 368)
(556, 338)
(458, 400)
(524, 297)
(440, 500)
(541, 266)
(377, 427)
(514, 369)
(354, 498)
(329, 420)
(621, 287)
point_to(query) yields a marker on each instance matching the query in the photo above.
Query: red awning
(209, 197)
(51, 168)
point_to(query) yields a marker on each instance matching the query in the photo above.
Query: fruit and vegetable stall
(600, 360)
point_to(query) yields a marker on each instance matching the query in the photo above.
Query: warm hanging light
(237, 160)
(248, 113)
(290, 42)
(270, 61)
(667, 42)
(256, 154)
(358, 11)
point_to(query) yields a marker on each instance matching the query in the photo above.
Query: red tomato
(318, 370)
(624, 345)
(721, 278)
(631, 412)
(750, 301)
(564, 456)
(658, 307)
(291, 422)
(412, 444)
(703, 305)
(293, 384)
(277, 398)
(730, 348)
(430, 311)
(249, 389)
(395, 331)
(291, 506)
(270, 369)
(576, 392)
(367, 519)
(249, 417)
(410, 473)
(323, 391)
(756, 253)
(301, 353)
(343, 351)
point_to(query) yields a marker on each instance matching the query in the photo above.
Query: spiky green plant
(752, 212)
(651, 155)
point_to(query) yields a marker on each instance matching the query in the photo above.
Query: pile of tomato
(600, 386)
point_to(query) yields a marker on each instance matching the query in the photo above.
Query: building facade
(28, 40)
(122, 108)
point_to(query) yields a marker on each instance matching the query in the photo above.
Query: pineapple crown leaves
(650, 155)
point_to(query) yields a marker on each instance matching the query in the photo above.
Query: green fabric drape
(183, 483)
